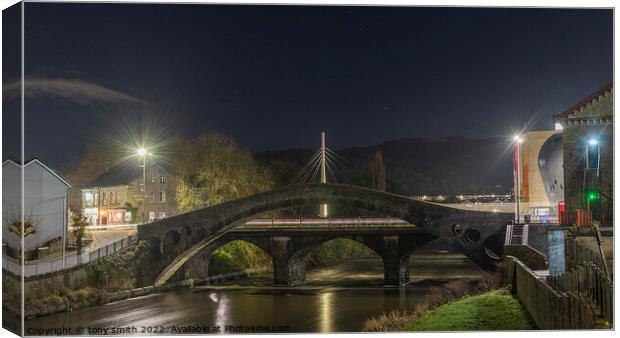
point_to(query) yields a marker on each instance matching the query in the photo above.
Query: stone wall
(592, 120)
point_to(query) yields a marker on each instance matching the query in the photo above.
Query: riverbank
(492, 310)
(338, 298)
(438, 295)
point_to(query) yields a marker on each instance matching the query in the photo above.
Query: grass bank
(492, 310)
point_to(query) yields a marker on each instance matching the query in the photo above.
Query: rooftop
(584, 102)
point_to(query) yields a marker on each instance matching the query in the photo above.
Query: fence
(587, 279)
(71, 260)
(551, 309)
(577, 254)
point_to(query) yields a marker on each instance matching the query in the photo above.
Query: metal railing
(71, 261)
(323, 222)
(590, 281)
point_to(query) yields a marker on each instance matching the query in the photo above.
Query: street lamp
(517, 156)
(142, 152)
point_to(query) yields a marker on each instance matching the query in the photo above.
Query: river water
(334, 299)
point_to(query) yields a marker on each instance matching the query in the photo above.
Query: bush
(238, 256)
(338, 250)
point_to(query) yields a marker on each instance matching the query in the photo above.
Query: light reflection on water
(326, 312)
(343, 305)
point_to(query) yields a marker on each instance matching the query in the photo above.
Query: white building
(45, 204)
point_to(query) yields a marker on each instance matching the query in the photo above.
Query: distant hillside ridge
(414, 166)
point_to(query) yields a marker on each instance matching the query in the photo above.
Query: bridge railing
(71, 261)
(324, 222)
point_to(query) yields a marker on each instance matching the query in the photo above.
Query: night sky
(273, 77)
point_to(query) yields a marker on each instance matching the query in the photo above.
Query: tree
(212, 170)
(30, 226)
(79, 222)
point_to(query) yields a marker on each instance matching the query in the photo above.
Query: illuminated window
(88, 197)
(127, 216)
(117, 216)
(162, 197)
(152, 179)
(162, 179)
(162, 215)
(104, 197)
(151, 215)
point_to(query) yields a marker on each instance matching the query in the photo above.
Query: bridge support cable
(300, 177)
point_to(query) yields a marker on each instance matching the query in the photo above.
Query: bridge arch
(436, 219)
(199, 265)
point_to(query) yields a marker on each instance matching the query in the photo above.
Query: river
(334, 299)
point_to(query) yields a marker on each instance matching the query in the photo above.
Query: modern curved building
(541, 177)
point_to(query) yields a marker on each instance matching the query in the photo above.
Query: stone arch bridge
(180, 238)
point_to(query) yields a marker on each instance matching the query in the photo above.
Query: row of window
(162, 196)
(162, 179)
(112, 196)
(162, 215)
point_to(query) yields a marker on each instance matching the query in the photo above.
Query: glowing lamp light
(141, 152)
(517, 138)
(592, 196)
(593, 142)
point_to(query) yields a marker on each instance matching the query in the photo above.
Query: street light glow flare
(517, 138)
(141, 151)
(592, 141)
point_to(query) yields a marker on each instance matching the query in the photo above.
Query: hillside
(414, 166)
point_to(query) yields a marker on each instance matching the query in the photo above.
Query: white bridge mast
(323, 207)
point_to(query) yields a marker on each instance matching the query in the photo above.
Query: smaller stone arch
(198, 266)
(154, 246)
(186, 236)
(170, 246)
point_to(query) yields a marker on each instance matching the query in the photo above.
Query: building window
(151, 215)
(117, 217)
(152, 194)
(162, 179)
(88, 198)
(162, 215)
(162, 197)
(127, 216)
(104, 197)
(116, 197)
(152, 179)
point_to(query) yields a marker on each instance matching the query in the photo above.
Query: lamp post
(590, 184)
(142, 152)
(517, 158)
